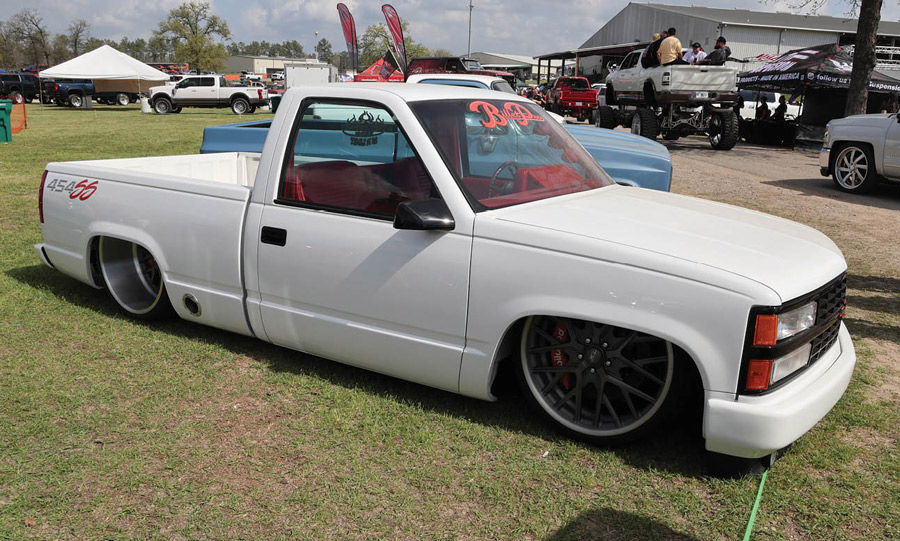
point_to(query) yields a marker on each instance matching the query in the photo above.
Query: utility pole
(316, 44)
(471, 7)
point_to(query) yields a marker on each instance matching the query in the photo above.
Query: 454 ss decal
(82, 190)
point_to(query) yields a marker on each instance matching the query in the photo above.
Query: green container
(274, 101)
(5, 123)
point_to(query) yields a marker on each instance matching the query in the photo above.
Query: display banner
(389, 65)
(349, 34)
(393, 23)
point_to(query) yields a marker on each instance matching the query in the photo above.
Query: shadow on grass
(875, 294)
(605, 523)
(678, 451)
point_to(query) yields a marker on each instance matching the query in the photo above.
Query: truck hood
(879, 119)
(627, 158)
(789, 258)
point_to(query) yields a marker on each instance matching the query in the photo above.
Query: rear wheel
(600, 383)
(724, 130)
(133, 279)
(854, 169)
(123, 99)
(645, 123)
(76, 100)
(240, 106)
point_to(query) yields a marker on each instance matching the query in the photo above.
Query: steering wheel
(513, 167)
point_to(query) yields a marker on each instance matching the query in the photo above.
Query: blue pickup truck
(628, 159)
(74, 91)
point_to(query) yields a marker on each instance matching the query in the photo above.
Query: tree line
(190, 33)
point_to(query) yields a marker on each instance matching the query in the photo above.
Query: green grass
(116, 429)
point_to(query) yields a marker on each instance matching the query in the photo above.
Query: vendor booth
(818, 78)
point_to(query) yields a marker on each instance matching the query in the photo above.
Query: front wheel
(162, 106)
(240, 106)
(724, 130)
(599, 383)
(854, 169)
(645, 123)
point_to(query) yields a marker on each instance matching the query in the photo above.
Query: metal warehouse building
(749, 33)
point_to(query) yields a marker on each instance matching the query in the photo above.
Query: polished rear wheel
(133, 279)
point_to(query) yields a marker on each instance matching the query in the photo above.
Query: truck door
(335, 278)
(892, 150)
(207, 92)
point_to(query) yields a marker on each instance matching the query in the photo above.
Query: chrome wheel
(851, 168)
(715, 130)
(601, 382)
(133, 277)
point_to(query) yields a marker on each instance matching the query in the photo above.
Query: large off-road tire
(162, 106)
(240, 106)
(610, 95)
(122, 99)
(134, 279)
(76, 100)
(599, 383)
(645, 123)
(724, 130)
(853, 170)
(606, 117)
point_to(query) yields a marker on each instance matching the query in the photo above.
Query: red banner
(349, 34)
(396, 30)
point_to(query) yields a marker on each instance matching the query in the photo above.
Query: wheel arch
(234, 97)
(121, 232)
(649, 97)
(686, 341)
(841, 144)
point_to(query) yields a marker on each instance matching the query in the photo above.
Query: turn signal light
(766, 333)
(41, 196)
(758, 375)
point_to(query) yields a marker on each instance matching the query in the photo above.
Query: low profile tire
(176, 109)
(76, 100)
(854, 169)
(645, 123)
(724, 130)
(162, 106)
(29, 100)
(133, 279)
(606, 117)
(123, 99)
(240, 106)
(599, 383)
(251, 110)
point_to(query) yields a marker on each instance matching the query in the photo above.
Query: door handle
(273, 235)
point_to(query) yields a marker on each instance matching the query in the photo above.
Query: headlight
(827, 134)
(771, 328)
(765, 372)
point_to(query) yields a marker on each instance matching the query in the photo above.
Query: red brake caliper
(558, 357)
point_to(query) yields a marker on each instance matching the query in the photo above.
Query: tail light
(41, 196)
(56, 88)
(259, 92)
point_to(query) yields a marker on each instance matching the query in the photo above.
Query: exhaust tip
(193, 306)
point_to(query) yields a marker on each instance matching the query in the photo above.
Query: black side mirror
(428, 214)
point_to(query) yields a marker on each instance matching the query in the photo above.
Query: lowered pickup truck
(673, 100)
(207, 91)
(862, 150)
(431, 233)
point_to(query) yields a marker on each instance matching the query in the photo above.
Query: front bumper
(825, 162)
(756, 426)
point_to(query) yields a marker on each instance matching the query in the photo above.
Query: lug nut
(605, 344)
(593, 370)
(580, 356)
(608, 363)
(587, 340)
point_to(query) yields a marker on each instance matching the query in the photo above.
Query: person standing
(670, 50)
(696, 54)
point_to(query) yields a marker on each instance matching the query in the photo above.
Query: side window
(352, 158)
(9, 78)
(207, 81)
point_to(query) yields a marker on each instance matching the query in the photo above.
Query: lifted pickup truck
(431, 233)
(674, 100)
(860, 151)
(207, 91)
(573, 96)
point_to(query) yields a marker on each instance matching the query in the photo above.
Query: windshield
(574, 84)
(505, 153)
(471, 64)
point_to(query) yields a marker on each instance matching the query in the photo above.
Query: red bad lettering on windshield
(516, 112)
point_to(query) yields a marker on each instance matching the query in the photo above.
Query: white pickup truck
(207, 91)
(862, 150)
(673, 100)
(431, 233)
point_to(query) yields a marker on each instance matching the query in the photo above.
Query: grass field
(116, 429)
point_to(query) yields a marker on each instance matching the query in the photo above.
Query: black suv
(19, 86)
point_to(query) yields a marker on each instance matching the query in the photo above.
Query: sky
(523, 27)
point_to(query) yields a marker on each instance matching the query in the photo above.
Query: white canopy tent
(110, 69)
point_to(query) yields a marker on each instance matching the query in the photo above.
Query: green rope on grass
(759, 494)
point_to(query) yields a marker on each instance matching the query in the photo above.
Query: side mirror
(425, 215)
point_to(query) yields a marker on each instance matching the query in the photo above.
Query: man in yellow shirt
(670, 49)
